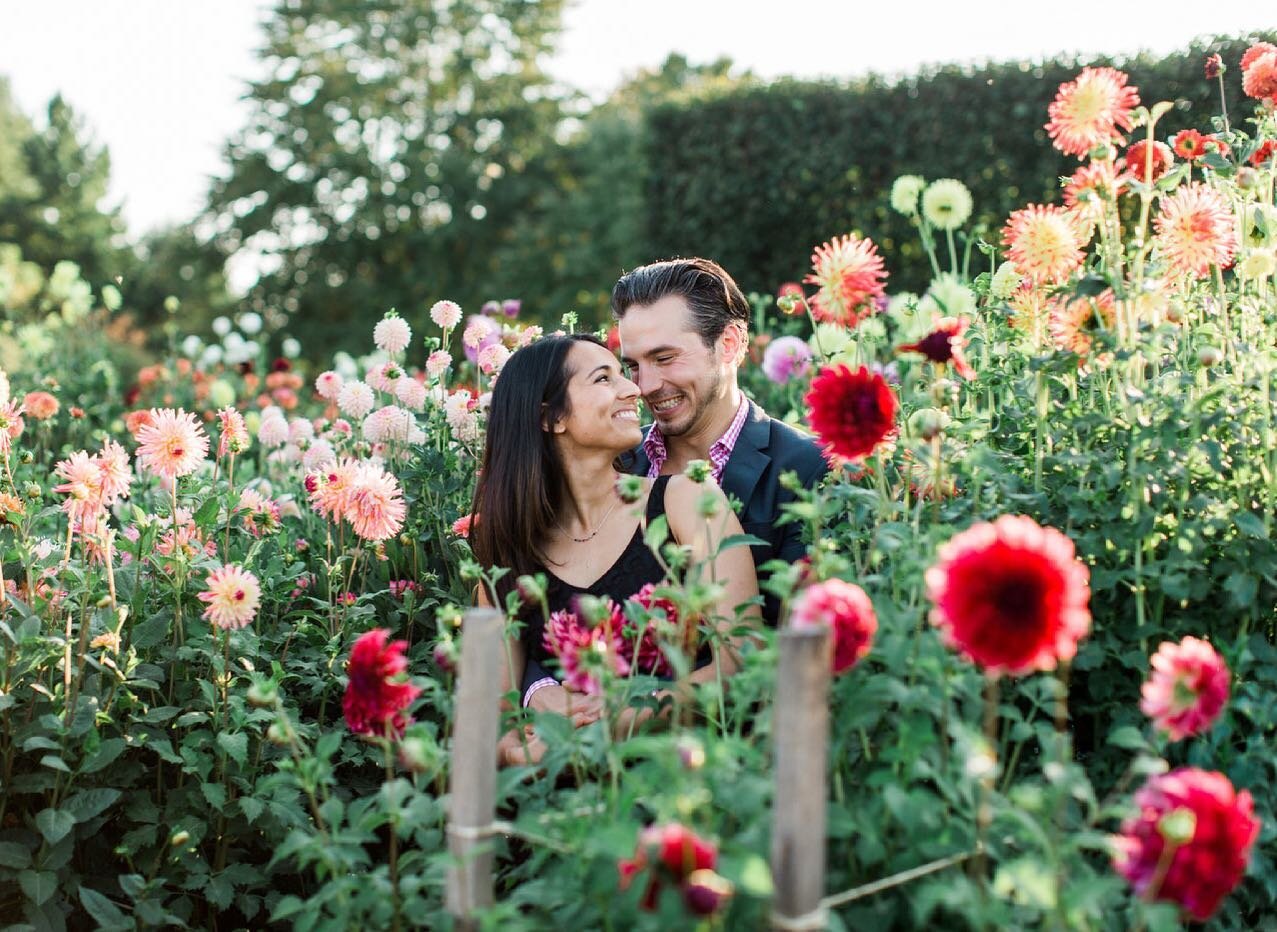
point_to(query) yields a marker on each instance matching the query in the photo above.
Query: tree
(55, 209)
(385, 152)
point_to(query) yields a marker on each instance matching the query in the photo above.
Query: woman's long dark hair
(521, 487)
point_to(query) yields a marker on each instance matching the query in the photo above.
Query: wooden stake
(473, 784)
(802, 738)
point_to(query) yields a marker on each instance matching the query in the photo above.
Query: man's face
(682, 380)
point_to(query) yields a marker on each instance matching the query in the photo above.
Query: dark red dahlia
(1211, 827)
(376, 692)
(1213, 66)
(851, 412)
(1137, 162)
(1010, 595)
(1264, 154)
(945, 344)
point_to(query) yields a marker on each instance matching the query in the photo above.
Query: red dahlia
(846, 609)
(1138, 165)
(1213, 66)
(676, 854)
(1189, 144)
(1264, 154)
(1010, 595)
(851, 412)
(1212, 828)
(376, 691)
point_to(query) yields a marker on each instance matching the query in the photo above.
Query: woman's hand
(580, 708)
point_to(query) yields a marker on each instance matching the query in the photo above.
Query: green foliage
(755, 177)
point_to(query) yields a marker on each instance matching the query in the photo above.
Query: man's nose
(645, 380)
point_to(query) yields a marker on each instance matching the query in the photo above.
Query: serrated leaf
(235, 744)
(54, 824)
(152, 631)
(104, 912)
(90, 803)
(207, 513)
(14, 855)
(38, 885)
(215, 793)
(251, 807)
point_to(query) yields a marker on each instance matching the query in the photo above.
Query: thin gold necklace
(595, 532)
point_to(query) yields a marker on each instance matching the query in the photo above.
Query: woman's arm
(733, 569)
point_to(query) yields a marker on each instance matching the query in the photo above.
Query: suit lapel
(748, 460)
(641, 462)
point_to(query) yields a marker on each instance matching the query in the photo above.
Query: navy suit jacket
(765, 449)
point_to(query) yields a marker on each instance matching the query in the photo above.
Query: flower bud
(941, 389)
(262, 694)
(705, 892)
(1178, 826)
(471, 571)
(179, 839)
(448, 616)
(698, 471)
(531, 589)
(593, 610)
(33, 491)
(26, 458)
(691, 753)
(278, 734)
(629, 489)
(707, 505)
(928, 423)
(1247, 178)
(419, 754)
(1210, 356)
(445, 655)
(786, 303)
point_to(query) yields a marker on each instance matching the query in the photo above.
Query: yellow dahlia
(1195, 230)
(1088, 111)
(1043, 242)
(946, 204)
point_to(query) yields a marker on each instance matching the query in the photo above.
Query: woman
(547, 501)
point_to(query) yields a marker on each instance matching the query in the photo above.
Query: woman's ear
(555, 428)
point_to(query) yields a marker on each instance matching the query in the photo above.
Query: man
(684, 328)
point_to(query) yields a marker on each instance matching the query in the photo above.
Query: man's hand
(578, 707)
(520, 747)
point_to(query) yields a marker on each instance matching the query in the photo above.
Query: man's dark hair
(712, 295)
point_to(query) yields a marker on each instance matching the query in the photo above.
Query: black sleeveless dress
(634, 568)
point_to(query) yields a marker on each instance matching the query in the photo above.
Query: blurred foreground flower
(376, 691)
(1190, 841)
(1011, 595)
(1187, 688)
(673, 853)
(944, 344)
(848, 612)
(786, 358)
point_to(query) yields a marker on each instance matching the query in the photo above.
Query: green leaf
(1251, 525)
(251, 807)
(658, 531)
(38, 885)
(104, 912)
(53, 762)
(152, 631)
(741, 540)
(1129, 737)
(1242, 587)
(54, 824)
(235, 744)
(215, 793)
(90, 803)
(106, 752)
(756, 877)
(14, 855)
(207, 513)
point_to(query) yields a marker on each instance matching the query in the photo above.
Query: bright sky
(159, 80)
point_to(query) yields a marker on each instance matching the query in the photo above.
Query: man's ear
(735, 342)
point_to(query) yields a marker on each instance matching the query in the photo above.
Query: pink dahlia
(851, 412)
(1186, 689)
(1189, 842)
(944, 344)
(847, 611)
(786, 358)
(82, 484)
(329, 489)
(234, 433)
(437, 363)
(392, 334)
(173, 444)
(11, 425)
(259, 513)
(1255, 51)
(1088, 111)
(1091, 187)
(374, 503)
(850, 276)
(1010, 595)
(1259, 79)
(40, 406)
(1044, 243)
(586, 655)
(377, 692)
(115, 472)
(233, 595)
(1195, 230)
(446, 314)
(328, 385)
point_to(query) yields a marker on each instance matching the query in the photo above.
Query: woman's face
(602, 403)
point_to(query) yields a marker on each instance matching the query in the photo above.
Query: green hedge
(758, 177)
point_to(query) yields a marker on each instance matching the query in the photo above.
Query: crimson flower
(645, 652)
(1212, 67)
(1010, 595)
(1265, 153)
(376, 692)
(674, 853)
(851, 412)
(1211, 827)
(1187, 688)
(945, 344)
(586, 655)
(849, 613)
(1136, 160)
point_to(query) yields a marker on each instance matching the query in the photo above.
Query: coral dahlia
(173, 444)
(40, 406)
(233, 595)
(11, 425)
(376, 691)
(850, 276)
(851, 412)
(374, 503)
(1091, 187)
(1189, 144)
(1043, 242)
(1259, 79)
(1186, 689)
(848, 612)
(1088, 111)
(1010, 595)
(234, 434)
(1071, 318)
(1195, 230)
(1211, 827)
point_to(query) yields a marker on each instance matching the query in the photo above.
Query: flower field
(233, 588)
